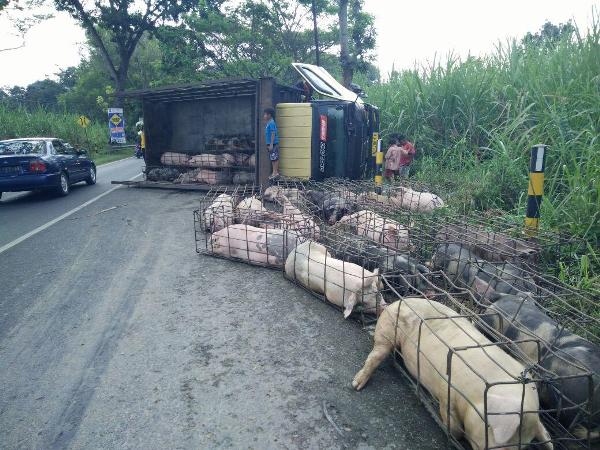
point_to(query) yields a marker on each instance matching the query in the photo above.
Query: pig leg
(455, 428)
(542, 435)
(381, 349)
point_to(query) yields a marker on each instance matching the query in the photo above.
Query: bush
(19, 122)
(474, 122)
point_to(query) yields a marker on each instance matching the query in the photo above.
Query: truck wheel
(91, 178)
(63, 185)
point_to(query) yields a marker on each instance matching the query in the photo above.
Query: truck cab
(333, 137)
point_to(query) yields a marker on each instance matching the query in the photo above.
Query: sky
(409, 32)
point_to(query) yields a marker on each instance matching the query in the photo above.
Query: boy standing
(272, 140)
(407, 155)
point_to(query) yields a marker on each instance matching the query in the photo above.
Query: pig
(163, 174)
(332, 206)
(274, 193)
(188, 177)
(416, 201)
(382, 230)
(303, 221)
(248, 206)
(344, 284)
(174, 159)
(426, 331)
(272, 219)
(214, 176)
(254, 245)
(208, 160)
(243, 178)
(489, 245)
(484, 278)
(219, 214)
(561, 353)
(371, 256)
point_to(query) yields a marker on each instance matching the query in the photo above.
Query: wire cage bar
(223, 160)
(516, 332)
(433, 333)
(238, 224)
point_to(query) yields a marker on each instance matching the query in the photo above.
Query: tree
(357, 38)
(126, 21)
(253, 38)
(22, 15)
(549, 35)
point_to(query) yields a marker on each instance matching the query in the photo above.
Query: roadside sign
(116, 125)
(83, 121)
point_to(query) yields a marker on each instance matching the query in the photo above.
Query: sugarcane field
(337, 224)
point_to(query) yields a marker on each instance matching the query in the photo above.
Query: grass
(474, 122)
(105, 157)
(19, 122)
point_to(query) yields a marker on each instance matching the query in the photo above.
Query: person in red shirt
(407, 154)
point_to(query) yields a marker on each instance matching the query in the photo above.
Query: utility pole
(316, 32)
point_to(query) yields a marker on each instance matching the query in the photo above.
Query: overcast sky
(408, 32)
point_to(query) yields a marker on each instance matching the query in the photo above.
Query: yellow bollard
(378, 168)
(535, 192)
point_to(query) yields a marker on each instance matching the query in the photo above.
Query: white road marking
(59, 218)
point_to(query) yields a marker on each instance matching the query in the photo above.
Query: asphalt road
(114, 333)
(21, 212)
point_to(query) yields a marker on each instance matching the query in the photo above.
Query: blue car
(32, 164)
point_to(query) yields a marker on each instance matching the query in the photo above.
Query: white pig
(413, 322)
(219, 214)
(302, 222)
(385, 231)
(344, 284)
(274, 193)
(249, 206)
(254, 245)
(416, 201)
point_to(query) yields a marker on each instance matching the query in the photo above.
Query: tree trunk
(316, 32)
(345, 59)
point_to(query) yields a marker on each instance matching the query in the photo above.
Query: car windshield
(22, 147)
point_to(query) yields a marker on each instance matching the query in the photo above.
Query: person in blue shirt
(272, 140)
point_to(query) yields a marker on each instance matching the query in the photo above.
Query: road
(114, 333)
(32, 209)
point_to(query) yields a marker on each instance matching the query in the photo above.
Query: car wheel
(91, 178)
(63, 186)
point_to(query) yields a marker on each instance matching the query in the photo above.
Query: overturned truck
(212, 133)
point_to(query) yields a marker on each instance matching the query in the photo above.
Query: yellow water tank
(294, 125)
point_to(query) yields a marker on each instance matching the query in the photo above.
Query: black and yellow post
(537, 164)
(378, 164)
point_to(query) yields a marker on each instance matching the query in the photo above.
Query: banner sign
(322, 142)
(116, 125)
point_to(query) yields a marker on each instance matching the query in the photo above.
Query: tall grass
(15, 123)
(474, 122)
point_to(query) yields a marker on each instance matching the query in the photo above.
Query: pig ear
(503, 426)
(349, 306)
